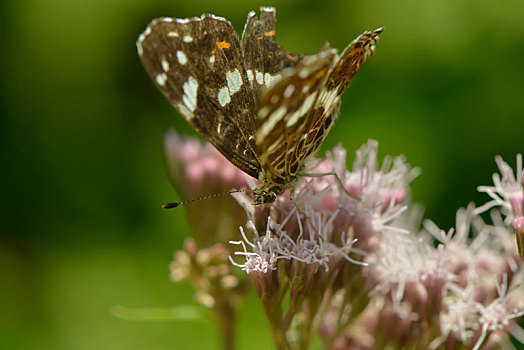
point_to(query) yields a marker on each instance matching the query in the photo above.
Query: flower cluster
(347, 262)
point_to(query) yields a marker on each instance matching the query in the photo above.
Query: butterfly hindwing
(198, 65)
(264, 58)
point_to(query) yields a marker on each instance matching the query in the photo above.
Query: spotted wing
(197, 63)
(264, 58)
(295, 115)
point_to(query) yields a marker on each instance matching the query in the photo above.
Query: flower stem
(227, 321)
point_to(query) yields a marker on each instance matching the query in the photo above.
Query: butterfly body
(265, 109)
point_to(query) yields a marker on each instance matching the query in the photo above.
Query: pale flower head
(507, 193)
(507, 190)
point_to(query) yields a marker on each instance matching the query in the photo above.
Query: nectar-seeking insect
(265, 109)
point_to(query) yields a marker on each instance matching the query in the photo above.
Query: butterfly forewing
(264, 58)
(198, 65)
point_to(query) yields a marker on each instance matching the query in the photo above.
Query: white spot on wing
(293, 119)
(223, 96)
(308, 102)
(172, 35)
(184, 111)
(190, 93)
(304, 73)
(182, 59)
(289, 91)
(260, 77)
(267, 78)
(250, 75)
(212, 59)
(188, 38)
(273, 120)
(219, 18)
(303, 110)
(262, 113)
(234, 81)
(271, 80)
(161, 79)
(140, 39)
(329, 98)
(165, 65)
(219, 127)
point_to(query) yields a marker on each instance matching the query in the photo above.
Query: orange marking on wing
(270, 33)
(223, 44)
(320, 74)
(293, 58)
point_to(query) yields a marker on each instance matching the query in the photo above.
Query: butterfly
(264, 108)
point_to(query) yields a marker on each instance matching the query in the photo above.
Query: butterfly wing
(295, 115)
(264, 58)
(283, 120)
(353, 56)
(198, 64)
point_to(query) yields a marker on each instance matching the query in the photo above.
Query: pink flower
(508, 193)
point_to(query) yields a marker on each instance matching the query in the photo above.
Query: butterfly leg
(308, 218)
(339, 181)
(266, 214)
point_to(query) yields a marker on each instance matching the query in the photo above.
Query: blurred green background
(81, 129)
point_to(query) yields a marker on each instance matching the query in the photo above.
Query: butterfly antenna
(178, 204)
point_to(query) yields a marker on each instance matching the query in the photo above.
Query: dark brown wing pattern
(198, 65)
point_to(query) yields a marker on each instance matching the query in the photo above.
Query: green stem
(226, 315)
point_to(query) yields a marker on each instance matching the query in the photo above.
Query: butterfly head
(266, 192)
(264, 197)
